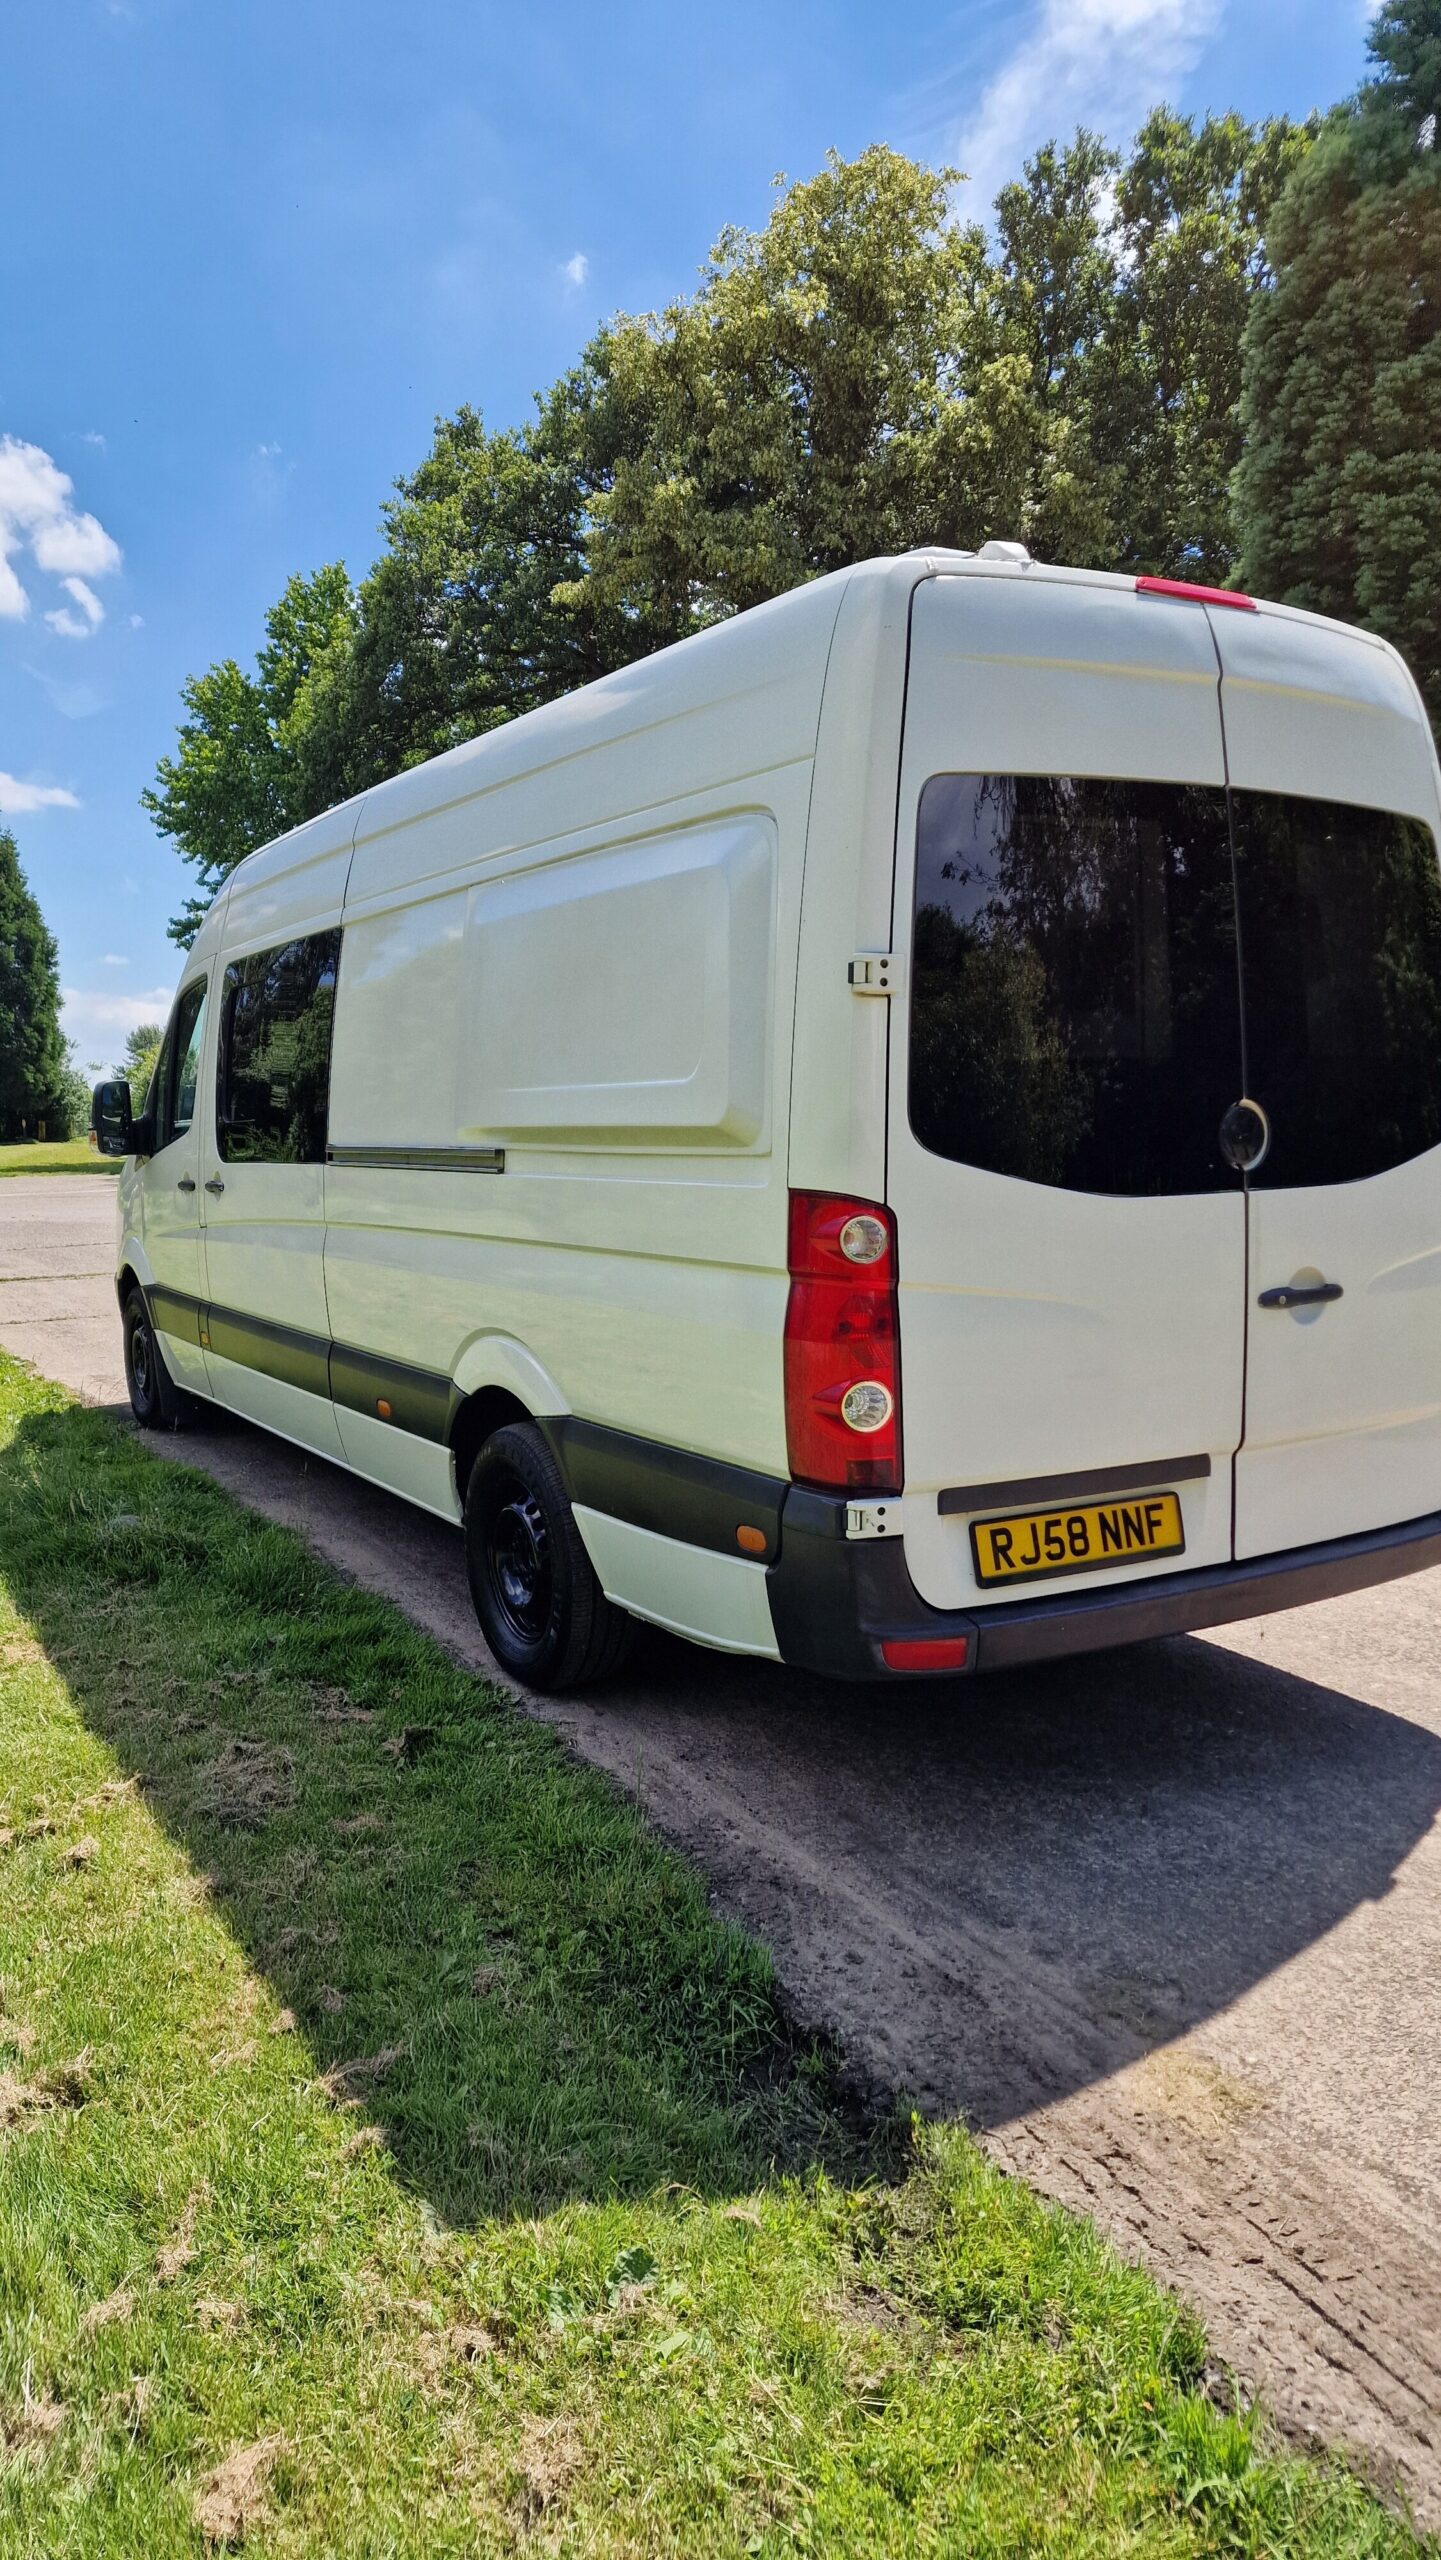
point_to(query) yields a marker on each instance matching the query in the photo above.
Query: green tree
(142, 1055)
(73, 1099)
(1191, 209)
(33, 1057)
(232, 783)
(462, 622)
(859, 375)
(847, 380)
(1339, 489)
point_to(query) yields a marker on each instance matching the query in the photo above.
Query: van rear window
(1077, 1010)
(1341, 951)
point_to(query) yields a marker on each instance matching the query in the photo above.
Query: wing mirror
(112, 1120)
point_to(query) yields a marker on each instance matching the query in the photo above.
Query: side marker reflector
(752, 1541)
(925, 1653)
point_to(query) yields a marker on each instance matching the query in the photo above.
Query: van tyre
(155, 1400)
(544, 1615)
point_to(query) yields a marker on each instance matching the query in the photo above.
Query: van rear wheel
(544, 1614)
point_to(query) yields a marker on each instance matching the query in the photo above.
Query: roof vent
(1013, 551)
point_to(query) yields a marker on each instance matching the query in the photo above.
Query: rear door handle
(186, 1182)
(1320, 1295)
(215, 1184)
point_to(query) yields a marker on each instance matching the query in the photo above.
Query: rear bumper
(836, 1600)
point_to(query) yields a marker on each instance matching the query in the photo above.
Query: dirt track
(1165, 1926)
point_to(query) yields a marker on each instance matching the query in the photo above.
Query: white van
(900, 1135)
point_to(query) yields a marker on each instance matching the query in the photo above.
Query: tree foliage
(142, 1056)
(1339, 491)
(232, 783)
(862, 373)
(33, 1056)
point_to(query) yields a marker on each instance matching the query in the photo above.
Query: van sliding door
(1071, 1240)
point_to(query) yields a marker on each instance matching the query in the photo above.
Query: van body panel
(420, 1469)
(742, 698)
(1343, 1399)
(635, 1243)
(1047, 1331)
(718, 1601)
(838, 1083)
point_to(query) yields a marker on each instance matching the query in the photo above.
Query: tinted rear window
(1341, 944)
(1074, 1003)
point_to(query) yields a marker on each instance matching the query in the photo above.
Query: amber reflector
(754, 1541)
(382, 1408)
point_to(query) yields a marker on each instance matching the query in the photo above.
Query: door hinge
(874, 1519)
(873, 973)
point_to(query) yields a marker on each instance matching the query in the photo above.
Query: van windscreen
(1075, 1011)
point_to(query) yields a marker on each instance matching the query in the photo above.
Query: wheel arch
(496, 1381)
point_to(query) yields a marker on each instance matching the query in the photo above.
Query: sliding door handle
(215, 1184)
(186, 1182)
(1297, 1294)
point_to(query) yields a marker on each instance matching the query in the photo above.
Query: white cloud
(116, 960)
(98, 1023)
(576, 270)
(38, 515)
(137, 622)
(1101, 63)
(92, 435)
(17, 799)
(92, 611)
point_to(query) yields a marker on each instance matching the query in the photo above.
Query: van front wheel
(155, 1400)
(543, 1613)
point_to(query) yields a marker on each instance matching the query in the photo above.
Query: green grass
(396, 2144)
(63, 1155)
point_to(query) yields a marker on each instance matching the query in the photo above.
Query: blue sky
(248, 251)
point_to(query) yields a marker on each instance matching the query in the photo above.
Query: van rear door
(1334, 803)
(1071, 1241)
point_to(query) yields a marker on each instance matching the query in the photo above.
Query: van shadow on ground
(1008, 1889)
(1000, 1891)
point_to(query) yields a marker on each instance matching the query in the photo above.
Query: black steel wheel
(155, 1400)
(544, 1614)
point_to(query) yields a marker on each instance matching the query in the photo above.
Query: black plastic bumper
(835, 1600)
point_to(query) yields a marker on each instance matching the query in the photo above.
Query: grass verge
(62, 1155)
(398, 2157)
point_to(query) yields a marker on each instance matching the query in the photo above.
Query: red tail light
(842, 1346)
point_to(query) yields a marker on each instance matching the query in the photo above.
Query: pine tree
(1339, 488)
(32, 1051)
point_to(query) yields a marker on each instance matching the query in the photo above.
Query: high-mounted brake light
(1194, 595)
(842, 1346)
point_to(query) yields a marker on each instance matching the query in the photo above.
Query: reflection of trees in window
(1074, 1002)
(1341, 934)
(275, 1054)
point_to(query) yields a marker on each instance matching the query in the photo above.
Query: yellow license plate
(1027, 1544)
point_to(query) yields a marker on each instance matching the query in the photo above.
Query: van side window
(1075, 1007)
(177, 1070)
(273, 1076)
(1341, 943)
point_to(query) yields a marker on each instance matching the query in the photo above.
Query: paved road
(1165, 1925)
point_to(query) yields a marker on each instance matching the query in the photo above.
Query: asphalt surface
(1164, 1925)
